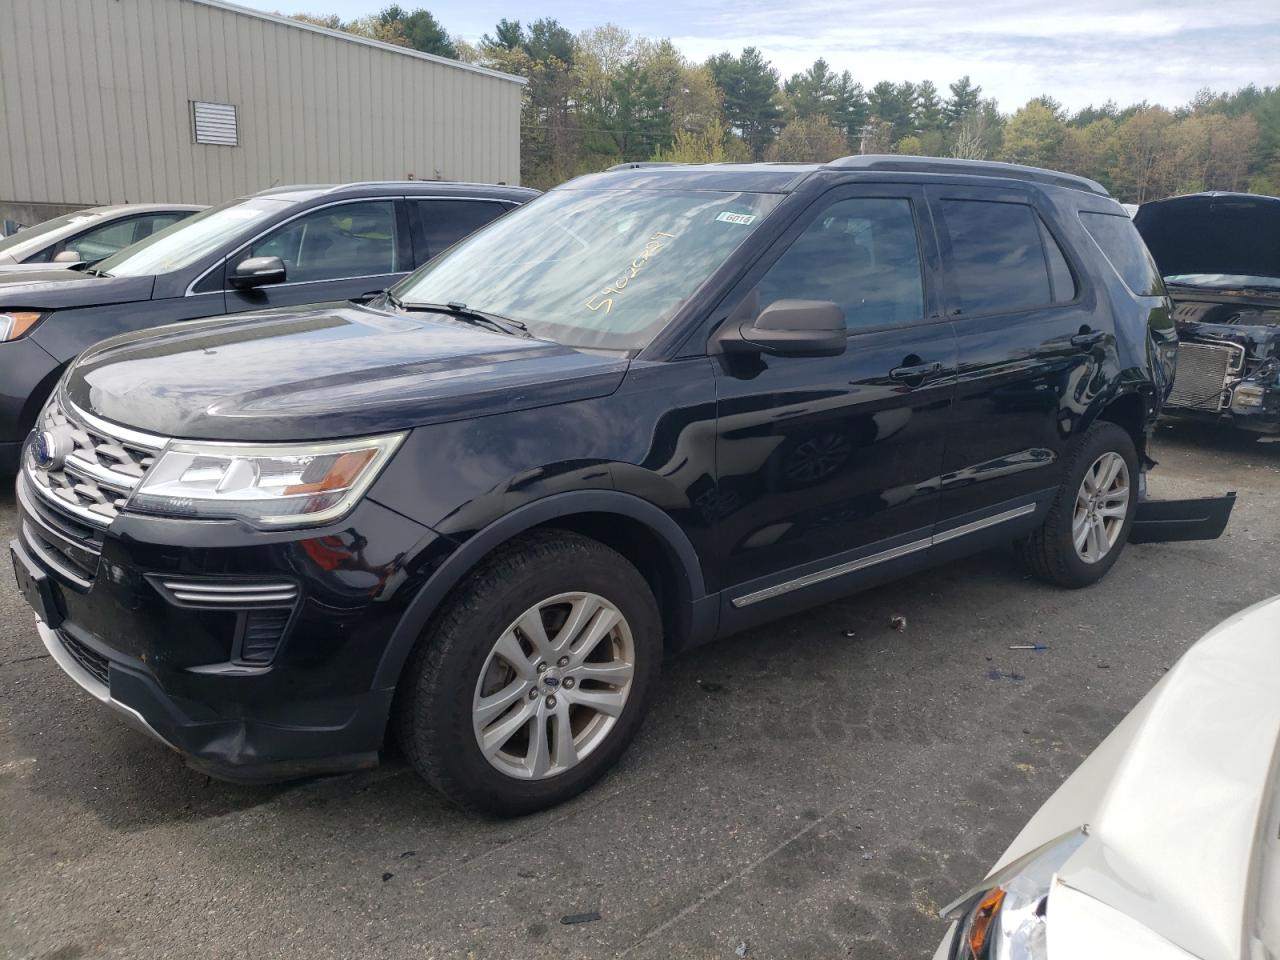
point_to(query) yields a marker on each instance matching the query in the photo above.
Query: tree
(1034, 135)
(1140, 170)
(749, 86)
(814, 140)
(979, 133)
(821, 92)
(964, 99)
(508, 35)
(420, 30)
(895, 104)
(930, 113)
(712, 144)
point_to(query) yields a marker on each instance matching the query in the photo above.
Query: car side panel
(1024, 388)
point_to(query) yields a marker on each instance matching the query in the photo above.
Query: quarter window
(861, 254)
(333, 243)
(1002, 257)
(1122, 245)
(445, 222)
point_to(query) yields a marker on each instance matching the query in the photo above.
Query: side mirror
(257, 272)
(67, 256)
(792, 328)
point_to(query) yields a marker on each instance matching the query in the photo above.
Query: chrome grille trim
(227, 593)
(105, 465)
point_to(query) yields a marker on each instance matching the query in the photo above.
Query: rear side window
(860, 253)
(445, 222)
(1120, 242)
(999, 259)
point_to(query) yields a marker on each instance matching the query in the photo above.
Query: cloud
(1084, 52)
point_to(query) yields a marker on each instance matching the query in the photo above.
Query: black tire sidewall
(443, 723)
(1102, 438)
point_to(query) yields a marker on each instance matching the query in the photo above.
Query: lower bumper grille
(93, 663)
(63, 544)
(1204, 373)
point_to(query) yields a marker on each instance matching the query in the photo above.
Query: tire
(465, 668)
(1051, 553)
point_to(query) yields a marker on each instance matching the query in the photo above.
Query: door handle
(1086, 339)
(918, 373)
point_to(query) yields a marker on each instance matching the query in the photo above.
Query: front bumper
(186, 674)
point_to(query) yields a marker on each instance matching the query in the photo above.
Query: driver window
(332, 243)
(859, 253)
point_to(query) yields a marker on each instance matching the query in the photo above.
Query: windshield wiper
(460, 311)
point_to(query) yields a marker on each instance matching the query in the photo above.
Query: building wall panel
(95, 106)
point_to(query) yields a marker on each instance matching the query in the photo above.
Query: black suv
(653, 407)
(278, 248)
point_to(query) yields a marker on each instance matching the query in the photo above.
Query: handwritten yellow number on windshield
(604, 299)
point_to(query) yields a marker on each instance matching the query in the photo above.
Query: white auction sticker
(743, 218)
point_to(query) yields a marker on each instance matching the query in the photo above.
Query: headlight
(14, 325)
(1005, 918)
(296, 484)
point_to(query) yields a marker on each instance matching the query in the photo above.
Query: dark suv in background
(653, 407)
(278, 248)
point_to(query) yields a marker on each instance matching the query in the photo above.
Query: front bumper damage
(1172, 521)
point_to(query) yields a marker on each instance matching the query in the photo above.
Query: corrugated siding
(95, 106)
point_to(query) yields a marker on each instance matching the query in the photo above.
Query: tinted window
(445, 222)
(1060, 276)
(998, 261)
(861, 254)
(348, 240)
(157, 221)
(1120, 241)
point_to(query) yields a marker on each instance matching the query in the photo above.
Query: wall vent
(215, 123)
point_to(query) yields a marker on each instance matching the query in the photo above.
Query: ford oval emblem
(45, 449)
(551, 681)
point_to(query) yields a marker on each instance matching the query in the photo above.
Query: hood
(1234, 234)
(1180, 801)
(9, 268)
(332, 371)
(59, 289)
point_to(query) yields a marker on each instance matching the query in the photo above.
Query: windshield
(593, 268)
(186, 241)
(1224, 281)
(31, 239)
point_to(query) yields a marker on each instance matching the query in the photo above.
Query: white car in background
(1165, 843)
(87, 235)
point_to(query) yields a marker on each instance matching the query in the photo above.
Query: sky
(1079, 51)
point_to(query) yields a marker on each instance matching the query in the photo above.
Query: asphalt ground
(816, 788)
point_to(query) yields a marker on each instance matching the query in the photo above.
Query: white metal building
(118, 101)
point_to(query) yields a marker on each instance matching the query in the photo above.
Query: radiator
(1203, 374)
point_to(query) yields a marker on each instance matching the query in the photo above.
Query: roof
(784, 177)
(309, 191)
(354, 38)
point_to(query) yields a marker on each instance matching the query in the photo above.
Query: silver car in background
(1165, 843)
(87, 235)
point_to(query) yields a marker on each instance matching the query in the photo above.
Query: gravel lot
(796, 790)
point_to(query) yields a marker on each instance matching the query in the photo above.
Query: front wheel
(534, 677)
(1088, 523)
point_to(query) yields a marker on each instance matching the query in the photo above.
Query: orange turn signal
(983, 915)
(14, 325)
(340, 475)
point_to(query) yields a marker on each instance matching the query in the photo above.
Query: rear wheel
(1092, 512)
(534, 677)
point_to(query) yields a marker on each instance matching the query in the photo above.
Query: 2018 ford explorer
(653, 407)
(281, 247)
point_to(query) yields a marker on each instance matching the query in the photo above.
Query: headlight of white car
(276, 485)
(1004, 918)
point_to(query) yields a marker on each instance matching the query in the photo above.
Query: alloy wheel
(1102, 503)
(553, 686)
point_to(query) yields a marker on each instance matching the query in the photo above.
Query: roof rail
(643, 165)
(970, 168)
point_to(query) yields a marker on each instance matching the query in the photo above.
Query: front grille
(94, 663)
(98, 463)
(1204, 373)
(62, 543)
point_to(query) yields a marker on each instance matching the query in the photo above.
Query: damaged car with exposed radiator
(1219, 254)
